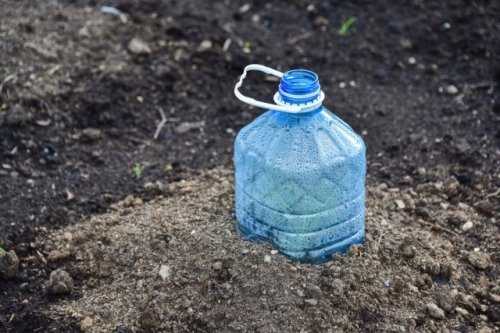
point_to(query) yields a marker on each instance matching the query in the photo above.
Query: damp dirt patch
(178, 264)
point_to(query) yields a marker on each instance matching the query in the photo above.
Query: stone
(60, 282)
(446, 301)
(267, 259)
(435, 311)
(138, 46)
(467, 226)
(311, 302)
(86, 324)
(9, 265)
(480, 260)
(451, 90)
(164, 272)
(56, 255)
(91, 134)
(400, 204)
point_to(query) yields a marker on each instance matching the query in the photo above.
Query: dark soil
(79, 109)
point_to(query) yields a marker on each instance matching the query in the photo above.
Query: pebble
(138, 46)
(86, 324)
(91, 134)
(435, 311)
(480, 260)
(311, 302)
(164, 272)
(60, 282)
(446, 301)
(267, 259)
(205, 45)
(451, 90)
(400, 204)
(56, 255)
(245, 251)
(9, 265)
(412, 60)
(461, 311)
(467, 226)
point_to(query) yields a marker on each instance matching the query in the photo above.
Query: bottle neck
(300, 87)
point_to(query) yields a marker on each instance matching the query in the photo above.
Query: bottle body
(300, 183)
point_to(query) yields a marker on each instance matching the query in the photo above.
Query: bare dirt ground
(80, 94)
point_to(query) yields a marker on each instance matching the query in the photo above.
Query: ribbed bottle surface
(300, 183)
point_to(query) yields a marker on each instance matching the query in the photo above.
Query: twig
(485, 84)
(494, 194)
(7, 79)
(161, 124)
(298, 38)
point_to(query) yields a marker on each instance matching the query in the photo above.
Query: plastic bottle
(300, 172)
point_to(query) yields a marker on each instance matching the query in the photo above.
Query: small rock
(245, 251)
(451, 90)
(86, 324)
(60, 282)
(311, 302)
(91, 134)
(467, 226)
(399, 284)
(446, 301)
(412, 60)
(56, 255)
(9, 265)
(354, 250)
(338, 287)
(205, 45)
(400, 204)
(138, 46)
(405, 43)
(435, 311)
(452, 187)
(267, 259)
(461, 311)
(164, 272)
(480, 260)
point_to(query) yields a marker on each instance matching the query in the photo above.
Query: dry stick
(300, 37)
(161, 124)
(494, 194)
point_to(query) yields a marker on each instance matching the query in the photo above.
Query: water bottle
(299, 172)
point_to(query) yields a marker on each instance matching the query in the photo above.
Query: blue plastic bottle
(300, 173)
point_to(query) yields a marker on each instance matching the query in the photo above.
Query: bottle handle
(251, 101)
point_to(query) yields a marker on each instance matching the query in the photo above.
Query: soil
(79, 106)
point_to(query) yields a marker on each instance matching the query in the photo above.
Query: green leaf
(2, 250)
(346, 25)
(137, 170)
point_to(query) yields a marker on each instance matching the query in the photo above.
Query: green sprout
(137, 170)
(2, 250)
(247, 46)
(434, 67)
(346, 25)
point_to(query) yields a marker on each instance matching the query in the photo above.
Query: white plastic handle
(251, 101)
